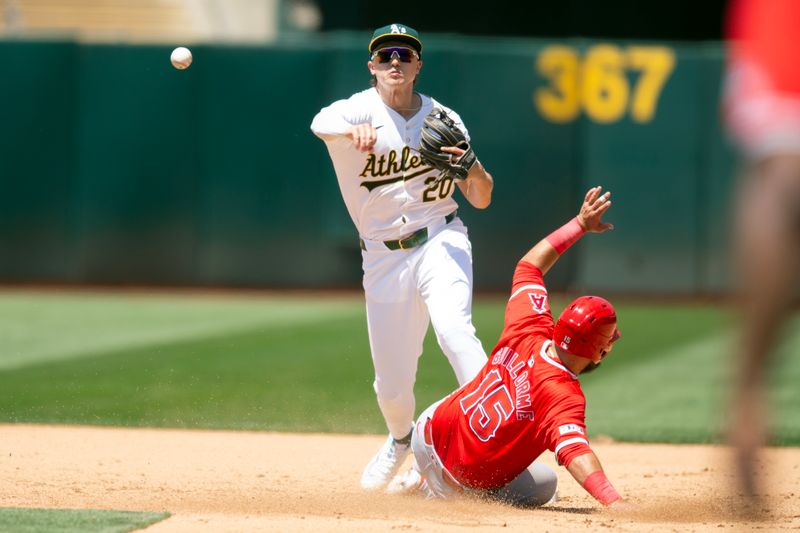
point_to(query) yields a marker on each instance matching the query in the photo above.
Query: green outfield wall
(117, 168)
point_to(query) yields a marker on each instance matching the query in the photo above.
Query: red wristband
(566, 235)
(598, 485)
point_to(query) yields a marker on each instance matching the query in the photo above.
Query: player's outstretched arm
(331, 122)
(589, 220)
(588, 472)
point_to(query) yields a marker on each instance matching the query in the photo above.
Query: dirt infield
(237, 481)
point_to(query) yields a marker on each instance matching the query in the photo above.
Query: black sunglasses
(384, 55)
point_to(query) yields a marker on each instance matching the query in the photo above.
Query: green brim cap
(396, 32)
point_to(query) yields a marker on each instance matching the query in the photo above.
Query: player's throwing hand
(363, 136)
(594, 207)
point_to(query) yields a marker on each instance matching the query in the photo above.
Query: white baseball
(181, 58)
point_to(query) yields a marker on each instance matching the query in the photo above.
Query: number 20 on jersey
(606, 83)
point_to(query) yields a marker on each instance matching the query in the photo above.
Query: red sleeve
(571, 451)
(528, 308)
(566, 422)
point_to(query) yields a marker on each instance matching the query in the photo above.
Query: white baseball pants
(407, 289)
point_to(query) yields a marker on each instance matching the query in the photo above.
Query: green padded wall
(117, 168)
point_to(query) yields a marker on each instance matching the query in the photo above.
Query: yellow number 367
(598, 83)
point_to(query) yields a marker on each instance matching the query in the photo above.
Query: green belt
(417, 238)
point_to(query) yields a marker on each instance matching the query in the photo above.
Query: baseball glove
(438, 131)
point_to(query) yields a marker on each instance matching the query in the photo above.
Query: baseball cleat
(405, 483)
(385, 464)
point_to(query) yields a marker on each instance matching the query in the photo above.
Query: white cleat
(406, 483)
(384, 465)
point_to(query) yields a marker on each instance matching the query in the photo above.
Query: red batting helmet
(587, 327)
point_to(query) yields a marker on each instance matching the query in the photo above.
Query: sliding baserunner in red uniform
(527, 399)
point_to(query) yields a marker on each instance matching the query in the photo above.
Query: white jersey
(389, 192)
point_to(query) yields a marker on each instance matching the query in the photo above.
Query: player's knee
(393, 394)
(546, 483)
(464, 351)
(535, 486)
(458, 339)
(391, 398)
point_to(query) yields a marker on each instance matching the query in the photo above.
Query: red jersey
(522, 402)
(767, 33)
(762, 95)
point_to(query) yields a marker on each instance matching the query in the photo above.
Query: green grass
(74, 521)
(303, 364)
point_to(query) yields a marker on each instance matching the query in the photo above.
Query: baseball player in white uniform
(417, 257)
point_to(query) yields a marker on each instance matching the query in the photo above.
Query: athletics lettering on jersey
(370, 185)
(385, 166)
